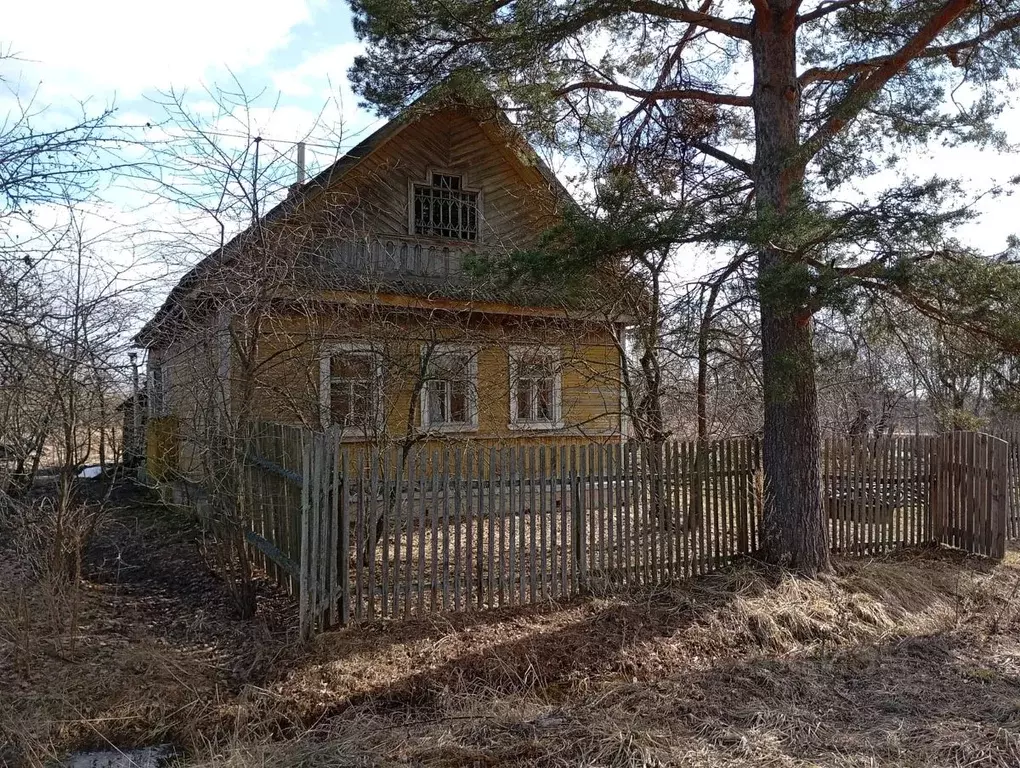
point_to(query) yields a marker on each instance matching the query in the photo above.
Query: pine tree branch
(696, 94)
(738, 29)
(825, 9)
(731, 160)
(846, 71)
(864, 90)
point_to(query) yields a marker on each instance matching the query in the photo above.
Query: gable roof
(173, 306)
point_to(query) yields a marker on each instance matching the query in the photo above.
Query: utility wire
(249, 137)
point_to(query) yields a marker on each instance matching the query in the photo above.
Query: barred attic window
(444, 209)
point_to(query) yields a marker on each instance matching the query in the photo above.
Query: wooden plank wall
(399, 532)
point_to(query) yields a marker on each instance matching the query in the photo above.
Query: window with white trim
(535, 384)
(352, 379)
(159, 389)
(449, 398)
(443, 208)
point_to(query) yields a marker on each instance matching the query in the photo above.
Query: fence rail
(362, 533)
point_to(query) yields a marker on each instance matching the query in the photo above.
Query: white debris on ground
(147, 757)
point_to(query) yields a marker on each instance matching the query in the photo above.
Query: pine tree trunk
(795, 534)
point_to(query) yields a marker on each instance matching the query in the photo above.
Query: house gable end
(374, 198)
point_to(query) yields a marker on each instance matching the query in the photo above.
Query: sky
(112, 50)
(292, 55)
(295, 53)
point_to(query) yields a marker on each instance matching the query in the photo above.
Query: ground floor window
(450, 387)
(352, 387)
(535, 383)
(159, 388)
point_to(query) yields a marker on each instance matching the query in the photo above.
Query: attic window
(443, 208)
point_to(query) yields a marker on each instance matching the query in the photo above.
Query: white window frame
(517, 354)
(428, 355)
(158, 397)
(326, 382)
(464, 187)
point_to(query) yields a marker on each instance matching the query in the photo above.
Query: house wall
(195, 388)
(288, 388)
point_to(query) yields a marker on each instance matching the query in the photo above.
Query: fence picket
(712, 490)
(344, 556)
(460, 574)
(612, 513)
(680, 499)
(669, 512)
(1000, 511)
(543, 550)
(626, 511)
(376, 509)
(480, 528)
(491, 585)
(304, 629)
(408, 531)
(533, 591)
(422, 529)
(333, 550)
(389, 490)
(508, 513)
(433, 513)
(642, 542)
(398, 525)
(591, 507)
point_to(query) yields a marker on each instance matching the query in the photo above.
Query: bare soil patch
(911, 660)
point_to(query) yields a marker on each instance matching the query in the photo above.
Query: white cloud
(324, 73)
(95, 49)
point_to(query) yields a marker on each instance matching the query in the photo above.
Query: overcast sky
(297, 52)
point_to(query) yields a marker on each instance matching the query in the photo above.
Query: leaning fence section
(362, 532)
(273, 480)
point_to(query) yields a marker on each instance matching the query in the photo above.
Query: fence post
(1000, 498)
(344, 554)
(304, 565)
(580, 555)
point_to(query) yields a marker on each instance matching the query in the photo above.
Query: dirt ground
(912, 660)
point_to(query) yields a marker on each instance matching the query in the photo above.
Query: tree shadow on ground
(735, 658)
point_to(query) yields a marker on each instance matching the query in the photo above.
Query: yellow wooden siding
(162, 441)
(195, 391)
(288, 386)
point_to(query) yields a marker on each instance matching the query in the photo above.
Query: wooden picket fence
(1012, 439)
(362, 533)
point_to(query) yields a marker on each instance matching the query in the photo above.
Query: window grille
(444, 209)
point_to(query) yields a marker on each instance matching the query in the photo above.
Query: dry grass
(886, 663)
(912, 660)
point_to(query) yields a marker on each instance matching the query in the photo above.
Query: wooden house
(371, 300)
